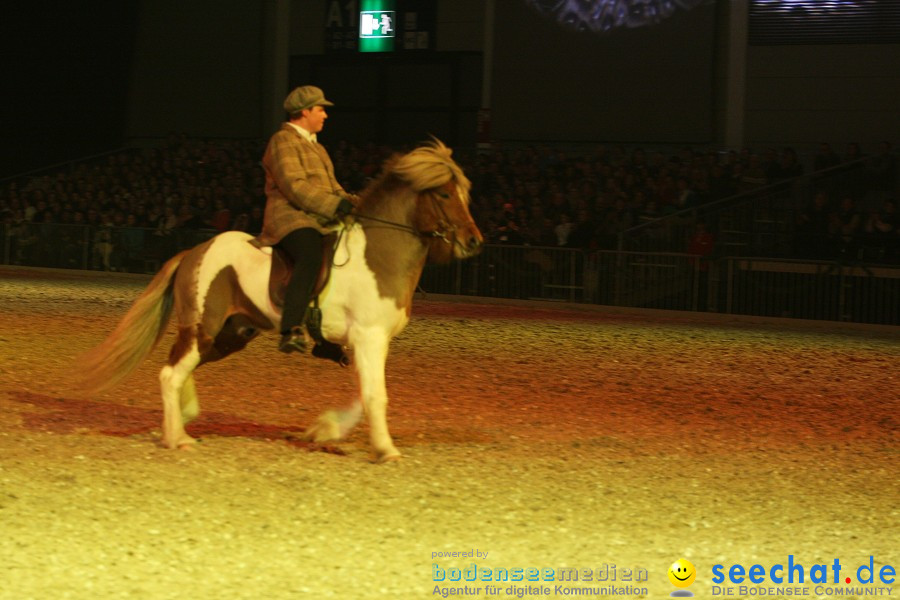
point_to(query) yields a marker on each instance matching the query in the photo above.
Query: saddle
(280, 275)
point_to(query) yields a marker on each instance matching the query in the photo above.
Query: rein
(442, 232)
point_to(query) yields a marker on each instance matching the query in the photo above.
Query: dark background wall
(197, 68)
(66, 71)
(801, 95)
(652, 83)
(89, 76)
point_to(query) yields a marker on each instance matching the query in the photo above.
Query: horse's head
(441, 213)
(424, 193)
(443, 219)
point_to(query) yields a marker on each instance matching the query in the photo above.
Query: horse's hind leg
(178, 392)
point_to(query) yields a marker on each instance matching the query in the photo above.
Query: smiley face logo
(682, 573)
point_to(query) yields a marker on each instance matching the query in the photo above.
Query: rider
(304, 201)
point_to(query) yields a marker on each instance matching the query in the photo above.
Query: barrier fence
(804, 289)
(761, 286)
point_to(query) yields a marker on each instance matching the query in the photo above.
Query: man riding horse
(304, 202)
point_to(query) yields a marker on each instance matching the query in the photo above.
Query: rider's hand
(344, 208)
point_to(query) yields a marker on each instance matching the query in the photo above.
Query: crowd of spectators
(144, 204)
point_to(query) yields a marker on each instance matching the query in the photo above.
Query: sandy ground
(540, 435)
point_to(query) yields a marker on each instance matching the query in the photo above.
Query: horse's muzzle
(472, 244)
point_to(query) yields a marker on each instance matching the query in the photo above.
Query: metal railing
(129, 249)
(809, 290)
(761, 286)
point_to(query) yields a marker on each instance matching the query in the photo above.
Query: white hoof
(394, 456)
(184, 442)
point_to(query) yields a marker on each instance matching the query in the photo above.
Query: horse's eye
(444, 196)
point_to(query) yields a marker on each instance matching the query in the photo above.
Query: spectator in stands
(652, 231)
(167, 222)
(788, 166)
(131, 244)
(845, 228)
(882, 171)
(853, 153)
(23, 238)
(687, 197)
(523, 219)
(220, 219)
(666, 191)
(721, 185)
(507, 229)
(202, 212)
(541, 226)
(702, 244)
(139, 212)
(255, 221)
(242, 223)
(103, 244)
(187, 219)
(883, 232)
(563, 229)
(583, 234)
(753, 175)
(825, 158)
(814, 228)
(71, 242)
(768, 161)
(616, 220)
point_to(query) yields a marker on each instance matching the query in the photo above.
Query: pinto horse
(417, 210)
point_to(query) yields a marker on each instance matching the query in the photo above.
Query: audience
(142, 205)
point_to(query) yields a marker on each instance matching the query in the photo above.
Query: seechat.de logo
(794, 572)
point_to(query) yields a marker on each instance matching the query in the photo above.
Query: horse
(415, 211)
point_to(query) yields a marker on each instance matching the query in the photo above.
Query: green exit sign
(377, 25)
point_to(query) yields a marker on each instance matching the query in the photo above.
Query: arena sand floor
(536, 436)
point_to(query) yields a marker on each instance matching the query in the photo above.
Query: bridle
(445, 229)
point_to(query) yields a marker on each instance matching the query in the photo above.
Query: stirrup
(331, 351)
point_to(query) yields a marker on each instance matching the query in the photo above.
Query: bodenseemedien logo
(519, 582)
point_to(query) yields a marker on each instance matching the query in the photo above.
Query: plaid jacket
(301, 190)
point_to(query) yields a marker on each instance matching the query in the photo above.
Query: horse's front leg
(370, 357)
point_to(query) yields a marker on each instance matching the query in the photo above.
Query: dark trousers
(304, 246)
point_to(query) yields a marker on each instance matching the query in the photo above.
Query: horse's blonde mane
(429, 166)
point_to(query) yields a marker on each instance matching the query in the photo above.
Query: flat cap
(305, 96)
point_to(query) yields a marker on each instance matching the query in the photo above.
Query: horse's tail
(135, 336)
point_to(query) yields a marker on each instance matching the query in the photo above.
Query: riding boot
(295, 339)
(304, 243)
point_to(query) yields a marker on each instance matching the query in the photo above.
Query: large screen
(776, 22)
